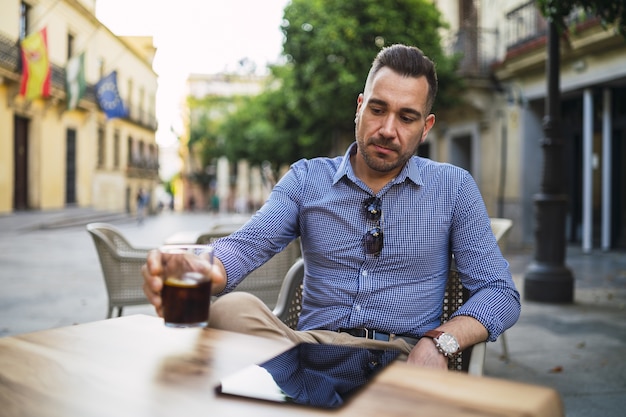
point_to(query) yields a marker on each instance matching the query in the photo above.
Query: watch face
(448, 343)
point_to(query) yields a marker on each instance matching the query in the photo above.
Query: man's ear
(429, 123)
(359, 103)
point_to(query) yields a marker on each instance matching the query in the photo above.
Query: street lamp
(547, 278)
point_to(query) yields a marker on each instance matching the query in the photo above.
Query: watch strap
(433, 334)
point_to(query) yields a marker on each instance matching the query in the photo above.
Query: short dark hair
(407, 61)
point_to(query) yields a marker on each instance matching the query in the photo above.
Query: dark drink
(186, 300)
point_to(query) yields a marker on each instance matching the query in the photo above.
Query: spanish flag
(35, 66)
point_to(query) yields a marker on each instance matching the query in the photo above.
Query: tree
(257, 131)
(609, 11)
(329, 47)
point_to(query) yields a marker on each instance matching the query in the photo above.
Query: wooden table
(135, 366)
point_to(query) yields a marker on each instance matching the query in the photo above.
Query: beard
(384, 163)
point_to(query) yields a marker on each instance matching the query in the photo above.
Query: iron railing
(9, 54)
(478, 48)
(524, 24)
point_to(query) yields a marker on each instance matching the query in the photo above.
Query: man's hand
(467, 330)
(426, 354)
(158, 265)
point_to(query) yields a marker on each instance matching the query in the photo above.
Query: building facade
(497, 133)
(52, 157)
(233, 186)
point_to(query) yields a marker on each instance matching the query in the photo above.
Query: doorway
(20, 163)
(70, 167)
(461, 152)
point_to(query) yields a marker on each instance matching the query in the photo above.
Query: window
(101, 147)
(129, 159)
(116, 149)
(152, 156)
(141, 154)
(129, 98)
(70, 45)
(101, 67)
(24, 19)
(142, 112)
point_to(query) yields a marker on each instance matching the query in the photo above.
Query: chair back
(121, 266)
(289, 307)
(501, 228)
(289, 304)
(264, 282)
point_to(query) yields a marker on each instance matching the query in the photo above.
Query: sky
(196, 36)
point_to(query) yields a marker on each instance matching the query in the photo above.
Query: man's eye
(407, 119)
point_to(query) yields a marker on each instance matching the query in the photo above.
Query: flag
(75, 80)
(35, 66)
(109, 97)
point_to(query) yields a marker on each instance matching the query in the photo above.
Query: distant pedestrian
(142, 200)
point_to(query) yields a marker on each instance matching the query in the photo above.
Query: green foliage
(206, 117)
(609, 11)
(256, 131)
(329, 47)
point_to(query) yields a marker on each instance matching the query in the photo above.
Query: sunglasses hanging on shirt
(373, 238)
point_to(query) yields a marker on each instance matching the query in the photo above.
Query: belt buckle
(387, 337)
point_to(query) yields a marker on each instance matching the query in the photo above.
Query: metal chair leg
(505, 348)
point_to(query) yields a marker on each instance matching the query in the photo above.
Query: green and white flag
(75, 80)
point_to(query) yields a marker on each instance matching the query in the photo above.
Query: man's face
(391, 120)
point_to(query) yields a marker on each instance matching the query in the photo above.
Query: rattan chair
(121, 267)
(289, 306)
(264, 282)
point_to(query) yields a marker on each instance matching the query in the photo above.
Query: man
(377, 227)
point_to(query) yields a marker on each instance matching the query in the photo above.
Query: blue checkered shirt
(429, 210)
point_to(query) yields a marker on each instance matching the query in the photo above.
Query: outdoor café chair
(121, 267)
(289, 306)
(501, 228)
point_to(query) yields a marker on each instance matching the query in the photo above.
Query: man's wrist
(446, 343)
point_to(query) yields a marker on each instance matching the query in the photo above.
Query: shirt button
(357, 307)
(364, 273)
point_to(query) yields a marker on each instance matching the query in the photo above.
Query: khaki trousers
(242, 312)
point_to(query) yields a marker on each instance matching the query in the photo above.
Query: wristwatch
(445, 342)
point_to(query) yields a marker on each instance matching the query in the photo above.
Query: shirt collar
(411, 169)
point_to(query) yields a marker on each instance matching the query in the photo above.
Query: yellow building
(52, 157)
(497, 132)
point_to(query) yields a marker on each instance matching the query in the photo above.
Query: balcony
(9, 56)
(10, 69)
(526, 28)
(478, 48)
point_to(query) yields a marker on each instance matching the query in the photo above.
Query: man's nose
(388, 127)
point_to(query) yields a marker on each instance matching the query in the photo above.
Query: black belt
(377, 335)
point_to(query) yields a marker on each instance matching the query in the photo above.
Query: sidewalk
(51, 277)
(578, 348)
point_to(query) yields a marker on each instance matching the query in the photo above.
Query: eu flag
(109, 97)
